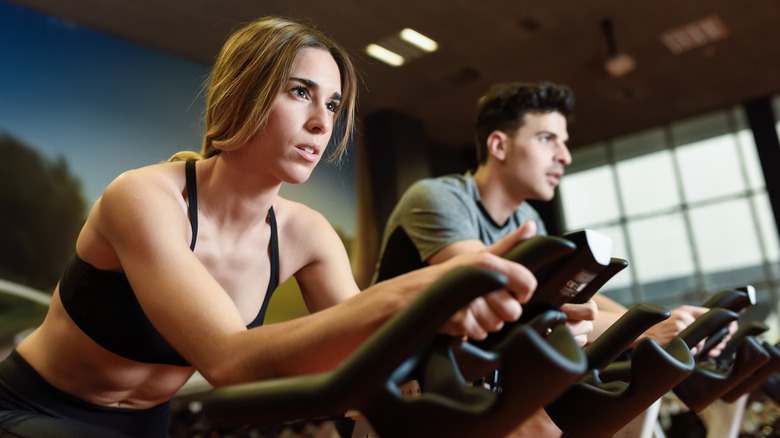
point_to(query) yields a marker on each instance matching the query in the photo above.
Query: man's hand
(516, 237)
(580, 320)
(682, 317)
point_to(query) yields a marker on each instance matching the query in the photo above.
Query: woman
(175, 264)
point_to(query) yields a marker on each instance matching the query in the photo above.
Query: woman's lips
(308, 152)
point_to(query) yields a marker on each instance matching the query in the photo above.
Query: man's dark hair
(504, 107)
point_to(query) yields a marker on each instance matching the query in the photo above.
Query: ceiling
(487, 41)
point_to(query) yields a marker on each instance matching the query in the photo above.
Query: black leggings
(30, 407)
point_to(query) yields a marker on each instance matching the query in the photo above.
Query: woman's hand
(488, 313)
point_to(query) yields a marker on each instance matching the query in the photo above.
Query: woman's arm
(326, 279)
(145, 223)
(308, 240)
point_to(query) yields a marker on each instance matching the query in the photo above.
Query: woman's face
(301, 122)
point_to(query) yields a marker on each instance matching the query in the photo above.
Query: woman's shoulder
(166, 170)
(134, 203)
(296, 214)
(156, 177)
(315, 241)
(151, 190)
(298, 221)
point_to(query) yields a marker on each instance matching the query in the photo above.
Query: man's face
(536, 156)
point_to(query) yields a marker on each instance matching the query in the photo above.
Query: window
(710, 168)
(685, 204)
(590, 197)
(648, 183)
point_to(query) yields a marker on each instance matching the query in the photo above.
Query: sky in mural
(107, 105)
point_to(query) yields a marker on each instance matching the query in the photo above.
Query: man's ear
(498, 144)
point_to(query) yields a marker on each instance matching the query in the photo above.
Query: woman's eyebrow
(308, 82)
(314, 86)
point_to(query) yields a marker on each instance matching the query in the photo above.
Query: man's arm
(522, 233)
(581, 316)
(663, 332)
(609, 312)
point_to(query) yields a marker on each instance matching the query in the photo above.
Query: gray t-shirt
(434, 213)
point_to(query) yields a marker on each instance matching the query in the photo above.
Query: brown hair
(250, 72)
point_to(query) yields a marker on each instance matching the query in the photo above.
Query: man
(521, 151)
(521, 134)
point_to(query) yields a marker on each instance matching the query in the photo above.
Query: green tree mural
(41, 212)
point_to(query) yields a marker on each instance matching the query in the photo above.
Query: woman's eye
(300, 91)
(332, 106)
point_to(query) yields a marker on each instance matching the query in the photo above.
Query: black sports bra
(104, 306)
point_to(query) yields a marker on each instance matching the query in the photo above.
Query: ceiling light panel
(402, 47)
(418, 40)
(387, 56)
(695, 34)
